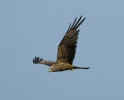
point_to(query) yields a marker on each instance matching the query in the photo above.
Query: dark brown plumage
(67, 47)
(66, 50)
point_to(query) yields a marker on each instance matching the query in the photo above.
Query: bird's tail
(75, 67)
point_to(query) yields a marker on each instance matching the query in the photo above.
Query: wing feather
(38, 60)
(67, 46)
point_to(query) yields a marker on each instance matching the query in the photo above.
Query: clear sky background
(30, 28)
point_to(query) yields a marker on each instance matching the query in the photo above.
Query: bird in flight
(66, 50)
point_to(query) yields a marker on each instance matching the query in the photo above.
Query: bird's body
(66, 50)
(60, 67)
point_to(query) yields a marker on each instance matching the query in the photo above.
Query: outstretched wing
(67, 46)
(38, 60)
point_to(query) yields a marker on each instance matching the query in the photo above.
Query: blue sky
(30, 28)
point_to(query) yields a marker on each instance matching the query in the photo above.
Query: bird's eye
(52, 68)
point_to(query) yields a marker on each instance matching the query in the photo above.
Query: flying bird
(66, 50)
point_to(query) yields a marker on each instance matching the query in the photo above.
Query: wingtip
(81, 16)
(36, 60)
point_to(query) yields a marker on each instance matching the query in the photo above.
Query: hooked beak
(49, 70)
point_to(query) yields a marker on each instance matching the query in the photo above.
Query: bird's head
(52, 69)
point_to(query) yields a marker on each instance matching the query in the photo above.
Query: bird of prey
(66, 50)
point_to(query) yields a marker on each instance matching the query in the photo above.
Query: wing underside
(38, 60)
(67, 46)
